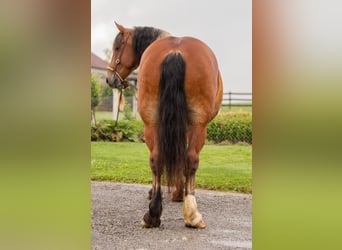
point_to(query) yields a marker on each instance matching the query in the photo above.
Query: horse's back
(202, 77)
(196, 54)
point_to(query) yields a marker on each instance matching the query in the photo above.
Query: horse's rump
(202, 83)
(178, 88)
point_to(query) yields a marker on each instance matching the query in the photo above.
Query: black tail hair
(173, 117)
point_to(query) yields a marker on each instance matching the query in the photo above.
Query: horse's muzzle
(113, 82)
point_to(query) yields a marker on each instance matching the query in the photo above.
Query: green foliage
(95, 91)
(232, 126)
(106, 91)
(106, 100)
(126, 130)
(128, 112)
(129, 92)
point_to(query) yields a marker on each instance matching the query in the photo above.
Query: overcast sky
(226, 26)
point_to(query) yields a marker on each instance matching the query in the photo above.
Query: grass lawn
(103, 115)
(222, 167)
(225, 108)
(108, 115)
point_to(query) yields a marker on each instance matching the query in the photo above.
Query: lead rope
(117, 114)
(117, 62)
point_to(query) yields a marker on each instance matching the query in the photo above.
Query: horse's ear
(120, 27)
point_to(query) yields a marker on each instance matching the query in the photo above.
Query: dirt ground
(117, 210)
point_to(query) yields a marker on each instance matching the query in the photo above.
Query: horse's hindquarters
(179, 91)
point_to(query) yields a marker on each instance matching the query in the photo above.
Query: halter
(123, 82)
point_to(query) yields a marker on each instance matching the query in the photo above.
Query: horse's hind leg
(149, 194)
(178, 194)
(152, 217)
(192, 217)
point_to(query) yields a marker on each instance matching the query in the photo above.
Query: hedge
(232, 127)
(126, 130)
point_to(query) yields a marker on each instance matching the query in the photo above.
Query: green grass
(225, 108)
(108, 115)
(103, 115)
(222, 167)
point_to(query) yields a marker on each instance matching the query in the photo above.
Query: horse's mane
(142, 38)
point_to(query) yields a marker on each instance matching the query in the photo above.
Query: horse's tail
(173, 117)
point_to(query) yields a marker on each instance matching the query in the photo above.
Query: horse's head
(123, 60)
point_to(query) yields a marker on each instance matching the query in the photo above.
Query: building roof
(97, 62)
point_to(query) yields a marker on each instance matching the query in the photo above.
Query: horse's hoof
(192, 217)
(149, 222)
(199, 225)
(145, 225)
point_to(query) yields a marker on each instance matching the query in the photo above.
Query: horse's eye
(117, 48)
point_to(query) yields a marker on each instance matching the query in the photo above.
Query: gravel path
(117, 210)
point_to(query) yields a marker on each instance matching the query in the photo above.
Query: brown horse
(179, 92)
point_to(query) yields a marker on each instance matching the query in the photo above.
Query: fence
(230, 99)
(237, 99)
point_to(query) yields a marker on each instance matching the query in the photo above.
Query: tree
(106, 91)
(108, 54)
(106, 98)
(95, 90)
